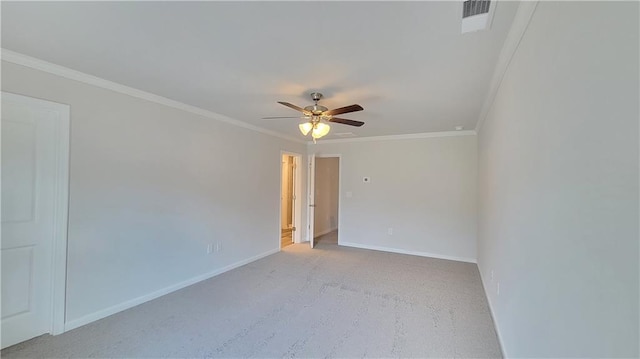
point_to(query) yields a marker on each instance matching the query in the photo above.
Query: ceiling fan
(316, 117)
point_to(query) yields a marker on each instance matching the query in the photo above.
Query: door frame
(61, 205)
(297, 191)
(339, 157)
(311, 200)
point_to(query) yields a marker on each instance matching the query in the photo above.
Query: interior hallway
(329, 238)
(329, 301)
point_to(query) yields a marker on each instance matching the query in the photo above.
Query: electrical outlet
(390, 231)
(217, 246)
(209, 248)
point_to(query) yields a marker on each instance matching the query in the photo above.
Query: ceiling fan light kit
(305, 127)
(316, 127)
(316, 117)
(320, 130)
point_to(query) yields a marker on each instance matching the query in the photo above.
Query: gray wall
(558, 185)
(150, 187)
(425, 189)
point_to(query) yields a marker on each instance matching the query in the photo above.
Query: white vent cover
(475, 7)
(477, 15)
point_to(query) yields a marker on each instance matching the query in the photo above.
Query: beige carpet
(330, 238)
(327, 302)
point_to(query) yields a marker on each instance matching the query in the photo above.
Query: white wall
(150, 187)
(558, 185)
(326, 195)
(425, 189)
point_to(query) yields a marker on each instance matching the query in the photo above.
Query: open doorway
(289, 199)
(326, 200)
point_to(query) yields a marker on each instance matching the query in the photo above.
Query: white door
(29, 190)
(311, 189)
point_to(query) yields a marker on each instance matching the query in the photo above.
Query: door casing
(311, 188)
(61, 205)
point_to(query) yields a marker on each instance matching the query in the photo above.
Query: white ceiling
(406, 63)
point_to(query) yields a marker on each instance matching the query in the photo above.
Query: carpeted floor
(330, 238)
(327, 302)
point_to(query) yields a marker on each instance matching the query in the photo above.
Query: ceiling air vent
(477, 15)
(475, 7)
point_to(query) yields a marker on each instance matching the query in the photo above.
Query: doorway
(289, 199)
(326, 200)
(35, 183)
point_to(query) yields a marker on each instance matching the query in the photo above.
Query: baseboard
(403, 251)
(72, 324)
(325, 232)
(493, 317)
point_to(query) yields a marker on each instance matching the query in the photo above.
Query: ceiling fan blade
(277, 117)
(341, 110)
(293, 106)
(344, 121)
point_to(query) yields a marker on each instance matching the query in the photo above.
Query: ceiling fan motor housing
(316, 96)
(316, 109)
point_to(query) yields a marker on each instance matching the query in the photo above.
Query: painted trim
(76, 323)
(493, 316)
(410, 136)
(297, 235)
(58, 277)
(311, 187)
(512, 42)
(61, 220)
(41, 65)
(403, 251)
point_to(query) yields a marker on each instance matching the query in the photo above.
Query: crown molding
(410, 136)
(514, 37)
(37, 64)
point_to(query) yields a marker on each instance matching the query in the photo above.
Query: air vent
(477, 15)
(475, 7)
